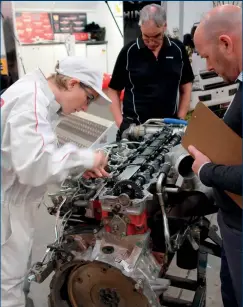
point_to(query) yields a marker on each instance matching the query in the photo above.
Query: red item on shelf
(106, 81)
(49, 36)
(81, 36)
(105, 85)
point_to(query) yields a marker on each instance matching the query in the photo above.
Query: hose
(174, 121)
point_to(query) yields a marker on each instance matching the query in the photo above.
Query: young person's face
(77, 97)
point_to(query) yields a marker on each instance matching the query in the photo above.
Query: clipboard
(210, 135)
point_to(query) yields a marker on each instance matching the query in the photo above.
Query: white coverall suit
(30, 160)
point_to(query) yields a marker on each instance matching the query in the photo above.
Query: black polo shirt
(151, 84)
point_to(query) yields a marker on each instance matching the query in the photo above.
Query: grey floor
(44, 235)
(100, 110)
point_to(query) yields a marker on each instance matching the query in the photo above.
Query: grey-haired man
(151, 69)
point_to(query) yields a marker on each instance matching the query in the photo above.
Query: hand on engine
(98, 170)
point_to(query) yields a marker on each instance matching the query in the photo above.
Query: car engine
(105, 252)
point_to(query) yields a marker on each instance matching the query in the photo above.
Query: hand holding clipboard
(211, 136)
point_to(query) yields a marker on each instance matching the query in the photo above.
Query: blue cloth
(174, 121)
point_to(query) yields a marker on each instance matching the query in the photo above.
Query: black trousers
(231, 265)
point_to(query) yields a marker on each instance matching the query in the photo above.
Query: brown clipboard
(210, 135)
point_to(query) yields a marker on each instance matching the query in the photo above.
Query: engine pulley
(128, 187)
(95, 284)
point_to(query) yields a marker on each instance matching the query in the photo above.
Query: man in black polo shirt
(222, 49)
(152, 70)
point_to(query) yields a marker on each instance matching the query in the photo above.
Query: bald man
(218, 39)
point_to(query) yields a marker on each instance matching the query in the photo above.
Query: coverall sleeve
(36, 158)
(226, 178)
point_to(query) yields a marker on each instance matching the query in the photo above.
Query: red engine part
(136, 224)
(97, 210)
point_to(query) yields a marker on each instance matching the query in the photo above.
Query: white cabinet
(80, 50)
(34, 57)
(27, 59)
(97, 55)
(45, 59)
(46, 56)
(59, 53)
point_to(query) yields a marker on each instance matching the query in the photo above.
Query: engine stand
(198, 286)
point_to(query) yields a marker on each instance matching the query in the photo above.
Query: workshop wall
(6, 10)
(193, 12)
(58, 6)
(3, 59)
(172, 15)
(3, 50)
(97, 12)
(113, 35)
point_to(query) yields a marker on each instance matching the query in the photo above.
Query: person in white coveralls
(31, 158)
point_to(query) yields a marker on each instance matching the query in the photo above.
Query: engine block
(104, 224)
(129, 195)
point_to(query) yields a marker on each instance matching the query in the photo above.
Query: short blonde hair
(62, 80)
(59, 79)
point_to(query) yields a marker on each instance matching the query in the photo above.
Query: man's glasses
(156, 39)
(90, 97)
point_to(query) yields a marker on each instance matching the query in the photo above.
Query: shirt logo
(170, 57)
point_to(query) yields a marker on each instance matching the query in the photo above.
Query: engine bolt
(69, 258)
(127, 220)
(31, 278)
(106, 221)
(80, 280)
(115, 227)
(139, 284)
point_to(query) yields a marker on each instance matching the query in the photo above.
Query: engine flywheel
(97, 284)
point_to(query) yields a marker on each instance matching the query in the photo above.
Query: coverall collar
(54, 105)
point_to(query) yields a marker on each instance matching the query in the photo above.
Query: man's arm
(185, 98)
(117, 84)
(185, 88)
(116, 106)
(226, 178)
